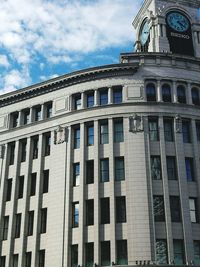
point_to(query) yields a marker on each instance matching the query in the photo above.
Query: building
(101, 167)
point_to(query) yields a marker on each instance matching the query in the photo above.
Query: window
(197, 252)
(90, 212)
(156, 172)
(48, 110)
(20, 186)
(161, 252)
(171, 168)
(119, 169)
(76, 174)
(77, 138)
(35, 141)
(28, 256)
(30, 222)
(23, 150)
(26, 114)
(168, 130)
(104, 132)
(189, 169)
(33, 184)
(104, 170)
(75, 214)
(2, 261)
(47, 144)
(198, 130)
(15, 260)
(179, 255)
(89, 254)
(77, 101)
(195, 96)
(151, 92)
(90, 172)
(122, 256)
(37, 113)
(17, 225)
(120, 209)
(105, 210)
(90, 135)
(15, 119)
(9, 189)
(166, 93)
(193, 210)
(153, 129)
(186, 131)
(103, 95)
(74, 255)
(175, 209)
(105, 253)
(159, 209)
(12, 153)
(90, 99)
(5, 227)
(41, 258)
(117, 95)
(43, 222)
(181, 96)
(45, 181)
(118, 131)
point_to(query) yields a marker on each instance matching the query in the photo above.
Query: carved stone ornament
(2, 151)
(136, 123)
(60, 135)
(178, 124)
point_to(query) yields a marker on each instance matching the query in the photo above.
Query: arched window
(195, 96)
(151, 92)
(166, 93)
(181, 96)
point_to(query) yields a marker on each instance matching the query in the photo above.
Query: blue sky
(42, 39)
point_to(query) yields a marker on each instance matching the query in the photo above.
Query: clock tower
(171, 26)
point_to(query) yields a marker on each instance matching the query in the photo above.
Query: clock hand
(180, 23)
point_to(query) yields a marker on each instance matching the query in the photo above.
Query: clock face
(178, 22)
(144, 34)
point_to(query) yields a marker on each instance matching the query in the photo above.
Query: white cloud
(4, 61)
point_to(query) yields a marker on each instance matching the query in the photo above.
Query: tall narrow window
(195, 96)
(166, 93)
(90, 172)
(156, 172)
(77, 138)
(117, 95)
(48, 110)
(89, 212)
(197, 252)
(8, 189)
(74, 255)
(76, 174)
(89, 254)
(45, 188)
(33, 184)
(103, 96)
(181, 96)
(153, 129)
(77, 101)
(47, 144)
(118, 131)
(90, 135)
(186, 131)
(43, 222)
(26, 114)
(17, 225)
(90, 99)
(151, 92)
(30, 222)
(198, 130)
(179, 254)
(171, 168)
(3, 261)
(41, 258)
(105, 253)
(23, 144)
(175, 209)
(105, 210)
(38, 113)
(189, 169)
(75, 214)
(193, 210)
(15, 119)
(161, 252)
(12, 153)
(20, 186)
(119, 169)
(159, 209)
(28, 256)
(35, 141)
(168, 130)
(5, 227)
(104, 132)
(120, 209)
(15, 260)
(104, 170)
(122, 255)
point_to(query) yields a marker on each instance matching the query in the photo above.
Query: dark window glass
(156, 172)
(76, 174)
(33, 184)
(159, 209)
(175, 209)
(193, 210)
(12, 153)
(104, 132)
(151, 92)
(89, 254)
(179, 254)
(15, 260)
(43, 225)
(171, 168)
(181, 96)
(77, 138)
(153, 129)
(28, 256)
(117, 95)
(90, 172)
(3, 261)
(197, 253)
(198, 131)
(105, 210)
(35, 141)
(45, 181)
(120, 209)
(75, 214)
(20, 186)
(17, 225)
(49, 110)
(186, 131)
(41, 258)
(5, 227)
(122, 255)
(47, 143)
(118, 131)
(90, 99)
(90, 135)
(23, 150)
(195, 96)
(161, 252)
(9, 189)
(104, 170)
(37, 113)
(105, 253)
(26, 114)
(119, 169)
(168, 130)
(166, 93)
(74, 255)
(30, 222)
(189, 169)
(90, 212)
(15, 119)
(103, 95)
(77, 101)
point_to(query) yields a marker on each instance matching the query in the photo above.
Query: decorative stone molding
(60, 135)
(178, 124)
(136, 123)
